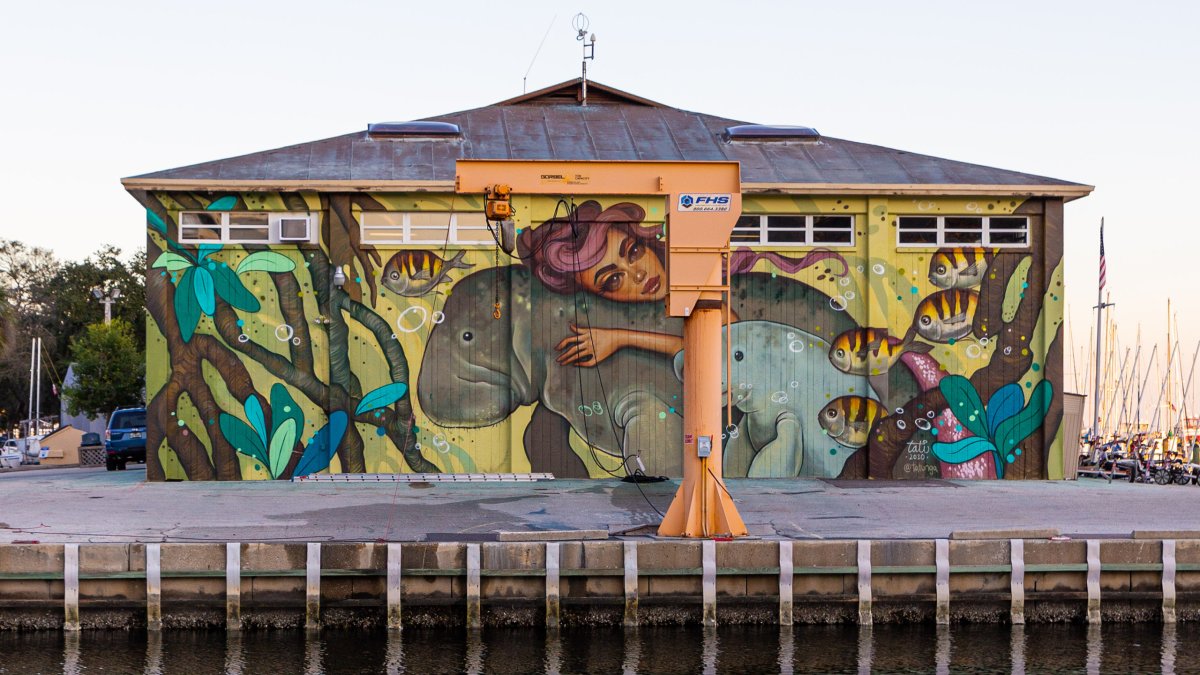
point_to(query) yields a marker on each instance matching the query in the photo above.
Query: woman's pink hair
(560, 247)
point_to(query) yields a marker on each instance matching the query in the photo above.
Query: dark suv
(125, 438)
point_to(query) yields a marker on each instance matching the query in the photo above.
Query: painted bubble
(416, 310)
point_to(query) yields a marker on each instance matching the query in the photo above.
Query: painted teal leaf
(965, 403)
(381, 397)
(1017, 428)
(156, 221)
(266, 261)
(284, 407)
(225, 203)
(319, 453)
(172, 261)
(230, 287)
(282, 443)
(187, 309)
(254, 413)
(206, 250)
(243, 438)
(1006, 402)
(962, 450)
(203, 282)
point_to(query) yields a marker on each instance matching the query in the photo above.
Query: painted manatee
(782, 378)
(477, 369)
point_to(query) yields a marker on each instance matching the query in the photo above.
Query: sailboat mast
(1168, 385)
(32, 356)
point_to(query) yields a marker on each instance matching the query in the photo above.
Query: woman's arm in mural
(589, 346)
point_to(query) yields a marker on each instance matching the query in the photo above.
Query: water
(1116, 648)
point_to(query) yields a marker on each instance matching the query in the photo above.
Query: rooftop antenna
(524, 89)
(580, 23)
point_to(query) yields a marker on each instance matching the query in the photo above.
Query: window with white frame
(245, 227)
(954, 230)
(789, 230)
(425, 227)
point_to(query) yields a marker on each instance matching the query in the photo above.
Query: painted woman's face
(629, 272)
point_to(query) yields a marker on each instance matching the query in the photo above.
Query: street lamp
(107, 298)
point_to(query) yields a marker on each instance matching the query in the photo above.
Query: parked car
(125, 438)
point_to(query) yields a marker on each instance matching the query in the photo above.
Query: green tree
(109, 369)
(26, 275)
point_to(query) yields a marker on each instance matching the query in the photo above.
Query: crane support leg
(702, 507)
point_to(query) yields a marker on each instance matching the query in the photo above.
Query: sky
(1101, 93)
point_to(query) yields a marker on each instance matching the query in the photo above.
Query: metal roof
(551, 124)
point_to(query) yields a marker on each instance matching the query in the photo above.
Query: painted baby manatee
(782, 378)
(477, 369)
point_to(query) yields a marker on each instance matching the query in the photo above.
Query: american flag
(1103, 267)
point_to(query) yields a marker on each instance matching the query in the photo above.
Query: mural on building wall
(860, 361)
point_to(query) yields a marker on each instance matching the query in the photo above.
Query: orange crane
(703, 202)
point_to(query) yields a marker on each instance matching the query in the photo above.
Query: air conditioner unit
(294, 228)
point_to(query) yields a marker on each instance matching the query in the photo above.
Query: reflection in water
(154, 653)
(312, 652)
(70, 653)
(866, 650)
(1094, 647)
(826, 649)
(1017, 647)
(553, 652)
(1168, 649)
(943, 650)
(474, 652)
(708, 655)
(235, 661)
(393, 658)
(633, 652)
(787, 651)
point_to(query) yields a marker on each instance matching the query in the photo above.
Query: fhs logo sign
(695, 202)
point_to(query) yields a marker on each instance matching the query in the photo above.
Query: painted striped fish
(848, 419)
(946, 315)
(414, 273)
(958, 267)
(870, 351)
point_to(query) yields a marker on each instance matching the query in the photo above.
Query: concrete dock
(92, 505)
(87, 549)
